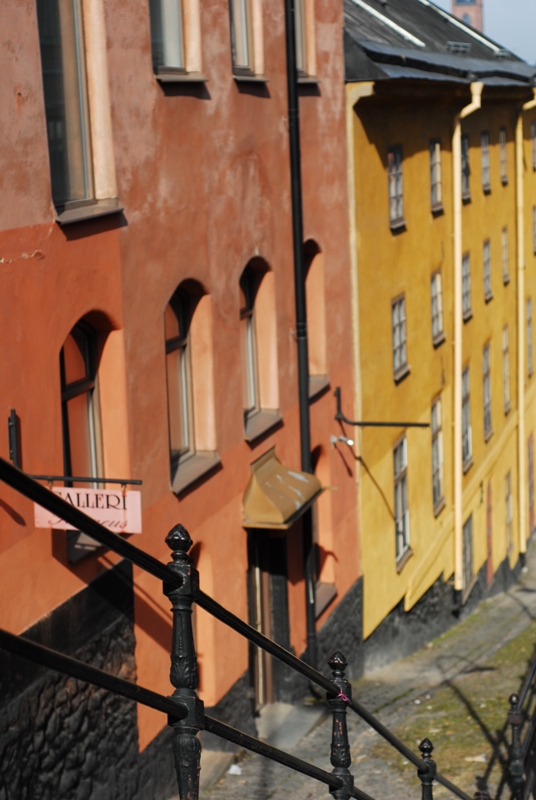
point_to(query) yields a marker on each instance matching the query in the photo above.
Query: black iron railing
(522, 719)
(185, 710)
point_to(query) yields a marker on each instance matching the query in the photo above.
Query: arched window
(259, 349)
(82, 441)
(316, 319)
(190, 385)
(177, 320)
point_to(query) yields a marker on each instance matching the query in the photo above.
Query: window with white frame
(436, 186)
(486, 390)
(63, 59)
(437, 453)
(509, 508)
(506, 369)
(437, 307)
(396, 189)
(249, 283)
(503, 156)
(484, 147)
(167, 35)
(177, 319)
(242, 36)
(505, 255)
(398, 319)
(488, 293)
(300, 23)
(466, 286)
(467, 435)
(400, 460)
(533, 144)
(530, 361)
(467, 532)
(466, 170)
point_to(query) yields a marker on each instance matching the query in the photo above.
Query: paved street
(454, 691)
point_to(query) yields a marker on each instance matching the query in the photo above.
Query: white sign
(116, 510)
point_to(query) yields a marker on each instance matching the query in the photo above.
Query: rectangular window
(468, 553)
(179, 380)
(167, 35)
(530, 362)
(506, 369)
(484, 146)
(242, 36)
(437, 455)
(486, 390)
(533, 144)
(437, 308)
(509, 508)
(61, 35)
(301, 36)
(396, 194)
(466, 171)
(467, 436)
(505, 256)
(398, 317)
(531, 482)
(488, 293)
(504, 161)
(436, 187)
(400, 458)
(466, 287)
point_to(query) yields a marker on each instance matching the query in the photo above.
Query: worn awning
(277, 496)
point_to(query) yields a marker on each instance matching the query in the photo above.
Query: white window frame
(468, 569)
(168, 36)
(509, 509)
(486, 390)
(436, 291)
(486, 259)
(505, 255)
(437, 454)
(503, 156)
(399, 336)
(396, 186)
(466, 287)
(467, 433)
(436, 184)
(485, 155)
(506, 369)
(466, 168)
(400, 466)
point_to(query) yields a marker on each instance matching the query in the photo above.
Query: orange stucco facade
(202, 173)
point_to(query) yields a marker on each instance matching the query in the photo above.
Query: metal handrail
(27, 486)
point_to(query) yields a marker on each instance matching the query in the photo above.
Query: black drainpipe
(301, 318)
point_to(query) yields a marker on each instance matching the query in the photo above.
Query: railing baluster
(517, 767)
(427, 772)
(184, 673)
(340, 747)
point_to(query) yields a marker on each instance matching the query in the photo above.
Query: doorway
(268, 611)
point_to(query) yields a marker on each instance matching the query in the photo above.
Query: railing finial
(340, 746)
(517, 766)
(427, 772)
(184, 672)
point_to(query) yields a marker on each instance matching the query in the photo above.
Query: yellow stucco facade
(396, 259)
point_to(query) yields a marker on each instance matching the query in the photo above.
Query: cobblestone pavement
(394, 693)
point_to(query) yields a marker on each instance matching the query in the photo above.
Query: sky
(511, 23)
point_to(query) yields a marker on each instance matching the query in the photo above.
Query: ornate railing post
(184, 674)
(517, 767)
(427, 772)
(340, 747)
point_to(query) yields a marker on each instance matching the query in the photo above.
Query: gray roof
(394, 39)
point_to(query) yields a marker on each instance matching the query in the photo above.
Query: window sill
(467, 464)
(439, 506)
(177, 76)
(466, 198)
(401, 373)
(250, 78)
(437, 209)
(488, 435)
(318, 384)
(506, 280)
(403, 559)
(467, 315)
(507, 408)
(192, 469)
(488, 297)
(260, 423)
(439, 339)
(308, 79)
(486, 188)
(325, 593)
(100, 208)
(397, 225)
